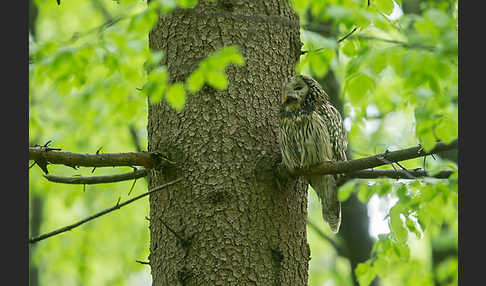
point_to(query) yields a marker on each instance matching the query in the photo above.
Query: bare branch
(397, 174)
(347, 35)
(393, 174)
(51, 156)
(396, 42)
(98, 179)
(330, 167)
(118, 205)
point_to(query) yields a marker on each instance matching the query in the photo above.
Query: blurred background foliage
(391, 66)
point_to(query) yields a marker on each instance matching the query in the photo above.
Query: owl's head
(300, 94)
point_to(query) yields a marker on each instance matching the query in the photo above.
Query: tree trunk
(224, 224)
(37, 204)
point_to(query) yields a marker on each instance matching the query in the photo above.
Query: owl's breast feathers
(304, 140)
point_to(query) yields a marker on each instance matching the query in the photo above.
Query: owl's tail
(327, 191)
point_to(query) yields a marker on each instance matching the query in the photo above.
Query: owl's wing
(336, 130)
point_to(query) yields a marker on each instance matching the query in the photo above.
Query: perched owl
(311, 131)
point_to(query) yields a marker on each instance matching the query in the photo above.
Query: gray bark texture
(224, 224)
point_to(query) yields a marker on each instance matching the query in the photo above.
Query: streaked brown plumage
(312, 131)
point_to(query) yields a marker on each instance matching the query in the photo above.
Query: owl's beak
(290, 97)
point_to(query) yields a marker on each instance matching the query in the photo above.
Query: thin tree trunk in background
(223, 225)
(35, 222)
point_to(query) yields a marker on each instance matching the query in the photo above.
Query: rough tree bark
(223, 224)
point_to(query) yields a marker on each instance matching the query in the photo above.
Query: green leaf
(217, 80)
(384, 189)
(401, 251)
(350, 47)
(211, 69)
(156, 84)
(412, 227)
(358, 87)
(381, 267)
(231, 55)
(143, 22)
(320, 62)
(396, 224)
(380, 61)
(176, 96)
(365, 193)
(384, 6)
(166, 5)
(187, 3)
(345, 191)
(154, 60)
(195, 81)
(427, 141)
(447, 129)
(365, 273)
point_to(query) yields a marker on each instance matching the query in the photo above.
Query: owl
(311, 131)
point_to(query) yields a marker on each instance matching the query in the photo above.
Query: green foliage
(176, 96)
(365, 274)
(211, 69)
(92, 73)
(384, 6)
(398, 80)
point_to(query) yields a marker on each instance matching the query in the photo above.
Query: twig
(98, 179)
(97, 152)
(117, 206)
(133, 185)
(410, 176)
(143, 262)
(347, 35)
(403, 44)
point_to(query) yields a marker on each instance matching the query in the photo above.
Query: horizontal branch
(396, 42)
(117, 206)
(326, 32)
(385, 158)
(98, 179)
(396, 174)
(44, 155)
